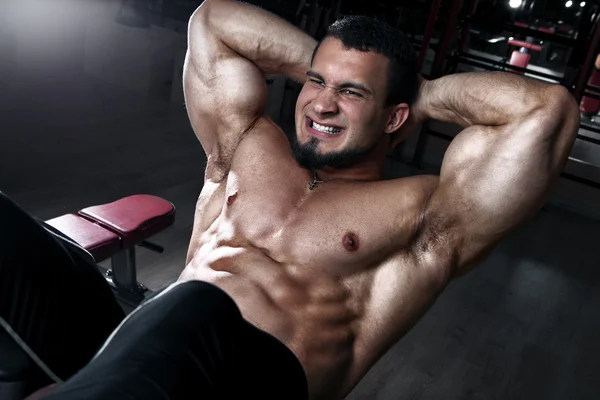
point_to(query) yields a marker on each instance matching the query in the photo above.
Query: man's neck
(371, 168)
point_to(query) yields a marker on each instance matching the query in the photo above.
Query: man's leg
(52, 295)
(189, 342)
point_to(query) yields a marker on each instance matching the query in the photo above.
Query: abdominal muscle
(314, 315)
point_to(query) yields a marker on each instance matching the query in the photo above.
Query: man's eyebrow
(315, 75)
(355, 85)
(345, 85)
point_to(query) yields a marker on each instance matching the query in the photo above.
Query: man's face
(340, 113)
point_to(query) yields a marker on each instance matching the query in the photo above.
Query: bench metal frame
(122, 276)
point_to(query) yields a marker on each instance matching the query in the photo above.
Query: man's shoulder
(403, 200)
(263, 140)
(427, 233)
(416, 188)
(422, 183)
(421, 239)
(404, 196)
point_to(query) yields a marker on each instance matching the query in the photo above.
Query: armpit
(435, 243)
(219, 160)
(216, 170)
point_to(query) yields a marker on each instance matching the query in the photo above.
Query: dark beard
(306, 155)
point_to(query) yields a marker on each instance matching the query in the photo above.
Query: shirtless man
(328, 263)
(341, 271)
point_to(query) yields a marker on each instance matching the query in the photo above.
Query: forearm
(271, 43)
(483, 98)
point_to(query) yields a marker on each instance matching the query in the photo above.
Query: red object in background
(527, 45)
(563, 28)
(520, 58)
(547, 30)
(526, 25)
(589, 106)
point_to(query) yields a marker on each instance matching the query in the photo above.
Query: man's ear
(399, 114)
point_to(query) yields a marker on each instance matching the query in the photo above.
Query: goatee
(307, 156)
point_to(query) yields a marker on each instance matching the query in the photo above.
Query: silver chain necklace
(312, 185)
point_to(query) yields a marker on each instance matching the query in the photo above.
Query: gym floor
(523, 325)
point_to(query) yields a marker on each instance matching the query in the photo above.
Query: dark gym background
(91, 110)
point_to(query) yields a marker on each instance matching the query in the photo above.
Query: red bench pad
(101, 243)
(134, 218)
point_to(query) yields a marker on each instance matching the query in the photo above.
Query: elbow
(567, 112)
(204, 23)
(201, 16)
(199, 12)
(210, 18)
(198, 18)
(565, 102)
(555, 100)
(558, 113)
(560, 125)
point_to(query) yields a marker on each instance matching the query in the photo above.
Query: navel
(231, 199)
(350, 241)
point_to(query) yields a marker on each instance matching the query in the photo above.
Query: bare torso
(331, 272)
(340, 273)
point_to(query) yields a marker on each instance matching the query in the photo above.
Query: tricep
(225, 93)
(492, 180)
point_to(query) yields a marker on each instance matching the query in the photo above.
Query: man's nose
(326, 102)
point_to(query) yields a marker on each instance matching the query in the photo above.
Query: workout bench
(113, 230)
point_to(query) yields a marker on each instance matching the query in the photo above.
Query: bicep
(493, 179)
(225, 94)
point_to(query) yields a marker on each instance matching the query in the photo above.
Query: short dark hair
(369, 34)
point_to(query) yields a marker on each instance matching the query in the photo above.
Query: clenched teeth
(325, 129)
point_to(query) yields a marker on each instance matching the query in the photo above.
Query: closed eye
(351, 93)
(317, 82)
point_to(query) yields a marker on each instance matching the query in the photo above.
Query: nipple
(350, 241)
(231, 199)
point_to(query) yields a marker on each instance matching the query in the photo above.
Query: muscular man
(308, 239)
(328, 263)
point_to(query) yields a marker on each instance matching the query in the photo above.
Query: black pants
(190, 341)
